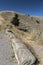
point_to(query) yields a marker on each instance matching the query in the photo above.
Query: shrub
(25, 30)
(15, 20)
(28, 15)
(37, 21)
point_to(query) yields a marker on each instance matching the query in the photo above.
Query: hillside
(29, 23)
(29, 31)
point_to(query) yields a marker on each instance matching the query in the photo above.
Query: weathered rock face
(22, 54)
(6, 52)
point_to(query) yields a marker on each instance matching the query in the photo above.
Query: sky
(31, 7)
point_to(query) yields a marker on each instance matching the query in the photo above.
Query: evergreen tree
(15, 20)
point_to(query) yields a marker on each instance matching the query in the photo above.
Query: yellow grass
(28, 40)
(27, 36)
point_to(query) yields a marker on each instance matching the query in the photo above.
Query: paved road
(6, 52)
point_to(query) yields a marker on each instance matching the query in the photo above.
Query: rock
(22, 54)
(6, 52)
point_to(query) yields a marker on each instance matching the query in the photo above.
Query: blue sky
(32, 7)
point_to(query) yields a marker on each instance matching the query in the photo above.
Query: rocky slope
(6, 53)
(29, 23)
(30, 31)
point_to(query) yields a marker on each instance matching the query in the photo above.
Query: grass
(28, 39)
(25, 36)
(18, 33)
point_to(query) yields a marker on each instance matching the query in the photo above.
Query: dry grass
(27, 36)
(19, 34)
(30, 40)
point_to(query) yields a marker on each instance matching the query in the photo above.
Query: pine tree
(15, 20)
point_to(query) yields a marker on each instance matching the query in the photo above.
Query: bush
(37, 21)
(15, 20)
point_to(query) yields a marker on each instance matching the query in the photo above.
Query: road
(6, 52)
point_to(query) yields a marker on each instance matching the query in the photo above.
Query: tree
(15, 20)
(37, 21)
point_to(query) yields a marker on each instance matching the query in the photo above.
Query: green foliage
(15, 20)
